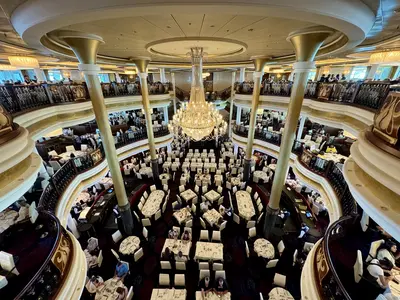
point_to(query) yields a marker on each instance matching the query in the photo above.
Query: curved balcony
(44, 256)
(74, 175)
(322, 174)
(348, 105)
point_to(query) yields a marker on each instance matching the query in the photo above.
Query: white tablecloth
(235, 180)
(165, 176)
(167, 165)
(209, 251)
(212, 195)
(185, 165)
(332, 156)
(145, 171)
(183, 215)
(129, 245)
(204, 178)
(212, 296)
(108, 291)
(153, 203)
(245, 205)
(280, 294)
(188, 195)
(168, 294)
(261, 175)
(395, 287)
(83, 196)
(107, 182)
(212, 216)
(272, 167)
(177, 245)
(67, 155)
(264, 248)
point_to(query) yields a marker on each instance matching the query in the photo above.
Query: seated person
(331, 149)
(172, 234)
(122, 293)
(177, 206)
(180, 257)
(186, 236)
(204, 206)
(91, 259)
(304, 229)
(205, 286)
(94, 283)
(388, 250)
(221, 287)
(221, 210)
(121, 270)
(377, 270)
(167, 255)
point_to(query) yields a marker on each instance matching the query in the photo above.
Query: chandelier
(199, 120)
(24, 62)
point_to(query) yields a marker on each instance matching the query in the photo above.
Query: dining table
(175, 246)
(235, 181)
(129, 245)
(167, 165)
(108, 290)
(245, 205)
(67, 155)
(153, 203)
(212, 195)
(395, 286)
(279, 293)
(107, 182)
(188, 195)
(264, 248)
(213, 296)
(146, 171)
(204, 178)
(332, 156)
(168, 294)
(83, 196)
(261, 175)
(212, 216)
(209, 251)
(183, 215)
(164, 177)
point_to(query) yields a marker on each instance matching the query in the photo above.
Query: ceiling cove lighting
(199, 120)
(388, 57)
(24, 62)
(4, 67)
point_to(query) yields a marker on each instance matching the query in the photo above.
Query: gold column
(231, 105)
(173, 89)
(85, 47)
(259, 63)
(141, 65)
(306, 44)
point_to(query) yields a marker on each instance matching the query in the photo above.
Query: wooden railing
(62, 178)
(17, 99)
(367, 95)
(314, 163)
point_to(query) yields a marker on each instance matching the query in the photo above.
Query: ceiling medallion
(199, 120)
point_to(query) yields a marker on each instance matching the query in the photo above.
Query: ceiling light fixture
(199, 120)
(387, 57)
(4, 67)
(24, 62)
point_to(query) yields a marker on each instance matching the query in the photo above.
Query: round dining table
(279, 293)
(264, 248)
(129, 245)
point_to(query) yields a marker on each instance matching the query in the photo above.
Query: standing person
(304, 229)
(322, 79)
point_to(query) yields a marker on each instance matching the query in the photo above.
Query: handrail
(315, 164)
(329, 232)
(17, 99)
(367, 95)
(73, 167)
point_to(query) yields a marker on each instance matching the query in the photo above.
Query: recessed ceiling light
(190, 23)
(168, 26)
(212, 26)
(251, 29)
(227, 30)
(134, 31)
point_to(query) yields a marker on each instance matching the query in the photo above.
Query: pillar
(141, 65)
(259, 63)
(372, 71)
(163, 79)
(85, 47)
(242, 74)
(40, 76)
(393, 72)
(166, 120)
(301, 128)
(238, 114)
(174, 91)
(306, 44)
(231, 105)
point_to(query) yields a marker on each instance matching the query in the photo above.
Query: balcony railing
(62, 178)
(327, 169)
(42, 278)
(367, 95)
(17, 99)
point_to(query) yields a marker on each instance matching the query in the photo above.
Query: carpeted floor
(246, 277)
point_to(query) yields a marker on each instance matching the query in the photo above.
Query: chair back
(117, 236)
(163, 280)
(219, 274)
(204, 273)
(138, 254)
(251, 224)
(145, 233)
(223, 225)
(203, 224)
(236, 218)
(180, 265)
(280, 280)
(130, 294)
(100, 258)
(252, 232)
(165, 265)
(373, 249)
(179, 280)
(281, 247)
(204, 235)
(146, 222)
(218, 267)
(216, 236)
(358, 267)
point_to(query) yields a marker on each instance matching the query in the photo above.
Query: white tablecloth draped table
(183, 215)
(67, 155)
(153, 203)
(209, 251)
(188, 195)
(213, 296)
(227, 154)
(168, 294)
(129, 245)
(245, 205)
(185, 165)
(212, 195)
(167, 165)
(264, 248)
(272, 167)
(108, 291)
(235, 181)
(204, 178)
(177, 245)
(165, 176)
(145, 171)
(333, 156)
(395, 287)
(212, 216)
(210, 165)
(279, 293)
(107, 182)
(261, 175)
(83, 196)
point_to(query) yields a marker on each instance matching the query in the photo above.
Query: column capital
(307, 41)
(141, 63)
(259, 62)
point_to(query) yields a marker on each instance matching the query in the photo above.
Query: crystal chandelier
(199, 120)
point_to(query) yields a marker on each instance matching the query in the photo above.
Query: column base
(126, 218)
(246, 169)
(269, 222)
(154, 167)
